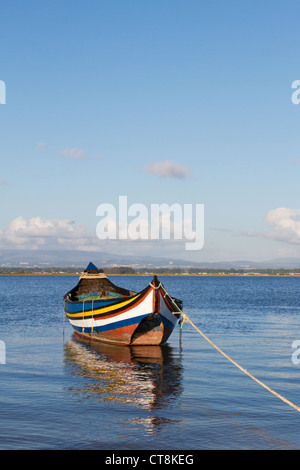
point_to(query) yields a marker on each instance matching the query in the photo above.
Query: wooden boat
(98, 310)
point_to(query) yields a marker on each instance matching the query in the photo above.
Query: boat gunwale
(115, 301)
(111, 300)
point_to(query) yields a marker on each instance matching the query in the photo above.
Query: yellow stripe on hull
(102, 310)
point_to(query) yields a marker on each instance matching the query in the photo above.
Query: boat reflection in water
(147, 377)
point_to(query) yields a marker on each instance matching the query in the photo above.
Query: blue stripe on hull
(120, 324)
(111, 326)
(88, 305)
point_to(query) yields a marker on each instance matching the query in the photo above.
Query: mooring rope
(185, 318)
(64, 313)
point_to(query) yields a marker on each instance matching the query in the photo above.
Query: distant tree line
(128, 270)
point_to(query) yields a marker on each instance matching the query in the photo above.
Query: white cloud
(285, 223)
(3, 182)
(168, 169)
(160, 234)
(74, 153)
(38, 232)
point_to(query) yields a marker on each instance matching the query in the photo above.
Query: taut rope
(185, 318)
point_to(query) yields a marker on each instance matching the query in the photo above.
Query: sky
(164, 102)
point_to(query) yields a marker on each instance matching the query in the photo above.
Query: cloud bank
(38, 232)
(285, 223)
(55, 234)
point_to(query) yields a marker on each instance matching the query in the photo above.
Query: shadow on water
(147, 377)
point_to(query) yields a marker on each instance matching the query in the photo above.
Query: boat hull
(147, 318)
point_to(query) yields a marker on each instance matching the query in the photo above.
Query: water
(59, 393)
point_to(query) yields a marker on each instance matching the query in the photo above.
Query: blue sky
(98, 93)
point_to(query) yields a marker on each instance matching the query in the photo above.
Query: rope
(64, 313)
(83, 317)
(154, 287)
(93, 316)
(186, 318)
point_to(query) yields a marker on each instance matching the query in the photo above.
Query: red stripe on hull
(142, 334)
(118, 336)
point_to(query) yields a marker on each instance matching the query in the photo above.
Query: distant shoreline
(216, 274)
(126, 270)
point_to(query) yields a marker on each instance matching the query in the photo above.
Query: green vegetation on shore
(127, 270)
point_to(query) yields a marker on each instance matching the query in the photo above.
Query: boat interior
(94, 285)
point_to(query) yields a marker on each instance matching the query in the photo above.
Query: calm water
(58, 393)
